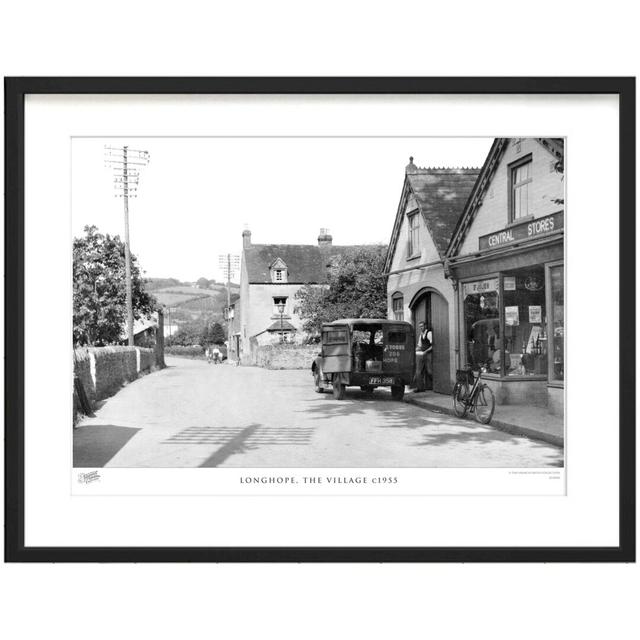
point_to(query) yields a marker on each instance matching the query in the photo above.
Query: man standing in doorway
(424, 363)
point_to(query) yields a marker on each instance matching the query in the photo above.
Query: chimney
(246, 239)
(324, 239)
(411, 168)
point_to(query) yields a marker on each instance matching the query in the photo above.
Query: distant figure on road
(209, 354)
(217, 356)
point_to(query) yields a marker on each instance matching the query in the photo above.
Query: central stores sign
(523, 231)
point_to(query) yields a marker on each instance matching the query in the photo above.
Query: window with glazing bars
(398, 307)
(520, 181)
(414, 235)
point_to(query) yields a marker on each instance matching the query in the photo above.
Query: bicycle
(469, 394)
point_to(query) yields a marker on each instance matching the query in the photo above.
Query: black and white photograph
(344, 316)
(318, 302)
(320, 320)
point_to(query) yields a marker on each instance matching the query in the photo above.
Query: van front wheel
(338, 388)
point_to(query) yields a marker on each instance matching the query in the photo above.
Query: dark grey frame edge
(15, 91)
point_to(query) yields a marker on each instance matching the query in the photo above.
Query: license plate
(380, 380)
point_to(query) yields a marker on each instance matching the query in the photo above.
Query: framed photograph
(320, 319)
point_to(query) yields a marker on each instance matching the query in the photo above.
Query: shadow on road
(235, 440)
(237, 444)
(384, 411)
(391, 414)
(95, 445)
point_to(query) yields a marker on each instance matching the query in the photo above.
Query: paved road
(197, 415)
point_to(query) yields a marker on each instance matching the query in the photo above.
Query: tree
(198, 333)
(99, 289)
(214, 334)
(202, 283)
(152, 284)
(186, 335)
(356, 288)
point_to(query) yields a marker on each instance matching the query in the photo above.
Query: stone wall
(531, 392)
(555, 401)
(104, 370)
(286, 356)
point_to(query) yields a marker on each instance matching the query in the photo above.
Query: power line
(125, 180)
(229, 263)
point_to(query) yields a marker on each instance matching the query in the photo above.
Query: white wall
(546, 185)
(411, 282)
(261, 312)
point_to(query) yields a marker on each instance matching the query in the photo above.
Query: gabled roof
(555, 146)
(306, 263)
(278, 326)
(278, 263)
(441, 194)
(140, 325)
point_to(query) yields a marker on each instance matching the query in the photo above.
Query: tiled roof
(140, 325)
(442, 195)
(306, 263)
(285, 326)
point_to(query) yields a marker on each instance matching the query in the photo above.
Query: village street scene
(318, 303)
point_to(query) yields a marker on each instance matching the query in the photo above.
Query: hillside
(186, 303)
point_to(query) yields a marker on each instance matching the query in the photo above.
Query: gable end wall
(545, 186)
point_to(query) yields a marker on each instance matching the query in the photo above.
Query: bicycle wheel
(483, 404)
(460, 399)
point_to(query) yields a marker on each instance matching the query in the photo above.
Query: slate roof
(140, 325)
(286, 326)
(306, 263)
(441, 195)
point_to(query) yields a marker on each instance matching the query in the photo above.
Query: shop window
(524, 346)
(481, 321)
(520, 182)
(556, 330)
(397, 306)
(413, 246)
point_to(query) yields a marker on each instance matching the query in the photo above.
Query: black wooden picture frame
(15, 91)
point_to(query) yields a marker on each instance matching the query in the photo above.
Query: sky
(197, 195)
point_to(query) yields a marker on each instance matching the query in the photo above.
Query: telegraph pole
(229, 263)
(125, 161)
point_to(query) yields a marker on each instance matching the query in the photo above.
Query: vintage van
(365, 353)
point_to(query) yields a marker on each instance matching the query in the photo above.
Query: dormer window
(278, 271)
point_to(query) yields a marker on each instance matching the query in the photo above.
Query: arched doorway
(430, 307)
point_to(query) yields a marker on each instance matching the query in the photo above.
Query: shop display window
(524, 346)
(481, 317)
(556, 277)
(509, 329)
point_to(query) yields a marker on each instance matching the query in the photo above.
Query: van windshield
(335, 336)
